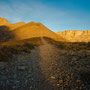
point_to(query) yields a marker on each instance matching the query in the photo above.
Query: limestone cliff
(75, 35)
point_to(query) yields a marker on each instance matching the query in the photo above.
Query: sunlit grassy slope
(34, 41)
(16, 25)
(8, 49)
(32, 30)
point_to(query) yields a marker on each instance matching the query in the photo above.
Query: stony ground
(47, 68)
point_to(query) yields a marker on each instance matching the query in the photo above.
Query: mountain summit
(4, 21)
(32, 29)
(22, 30)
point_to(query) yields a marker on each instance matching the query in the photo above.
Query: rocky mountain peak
(4, 21)
(75, 35)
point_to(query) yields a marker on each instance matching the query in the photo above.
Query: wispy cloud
(33, 11)
(54, 18)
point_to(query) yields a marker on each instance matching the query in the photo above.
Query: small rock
(22, 67)
(30, 87)
(80, 88)
(75, 58)
(52, 77)
(6, 70)
(60, 81)
(58, 84)
(72, 89)
(72, 53)
(78, 81)
(1, 73)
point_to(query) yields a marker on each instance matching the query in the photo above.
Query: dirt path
(49, 56)
(44, 65)
(45, 68)
(30, 71)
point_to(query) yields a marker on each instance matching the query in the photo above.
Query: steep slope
(5, 29)
(75, 35)
(32, 29)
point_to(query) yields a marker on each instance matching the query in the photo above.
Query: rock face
(4, 21)
(75, 35)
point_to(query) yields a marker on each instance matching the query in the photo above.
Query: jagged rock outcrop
(4, 21)
(75, 35)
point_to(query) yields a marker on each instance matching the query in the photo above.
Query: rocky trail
(45, 68)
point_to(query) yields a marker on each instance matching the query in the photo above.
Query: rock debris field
(46, 68)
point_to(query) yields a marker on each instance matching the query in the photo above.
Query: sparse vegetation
(69, 45)
(88, 45)
(56, 65)
(59, 44)
(8, 49)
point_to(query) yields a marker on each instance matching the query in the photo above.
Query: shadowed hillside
(5, 34)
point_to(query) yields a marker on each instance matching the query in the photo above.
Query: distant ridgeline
(22, 30)
(75, 35)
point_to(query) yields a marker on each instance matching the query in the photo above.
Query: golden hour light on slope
(32, 57)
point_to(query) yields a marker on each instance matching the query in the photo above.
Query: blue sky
(57, 15)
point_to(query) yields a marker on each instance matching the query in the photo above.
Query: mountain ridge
(33, 29)
(24, 30)
(75, 35)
